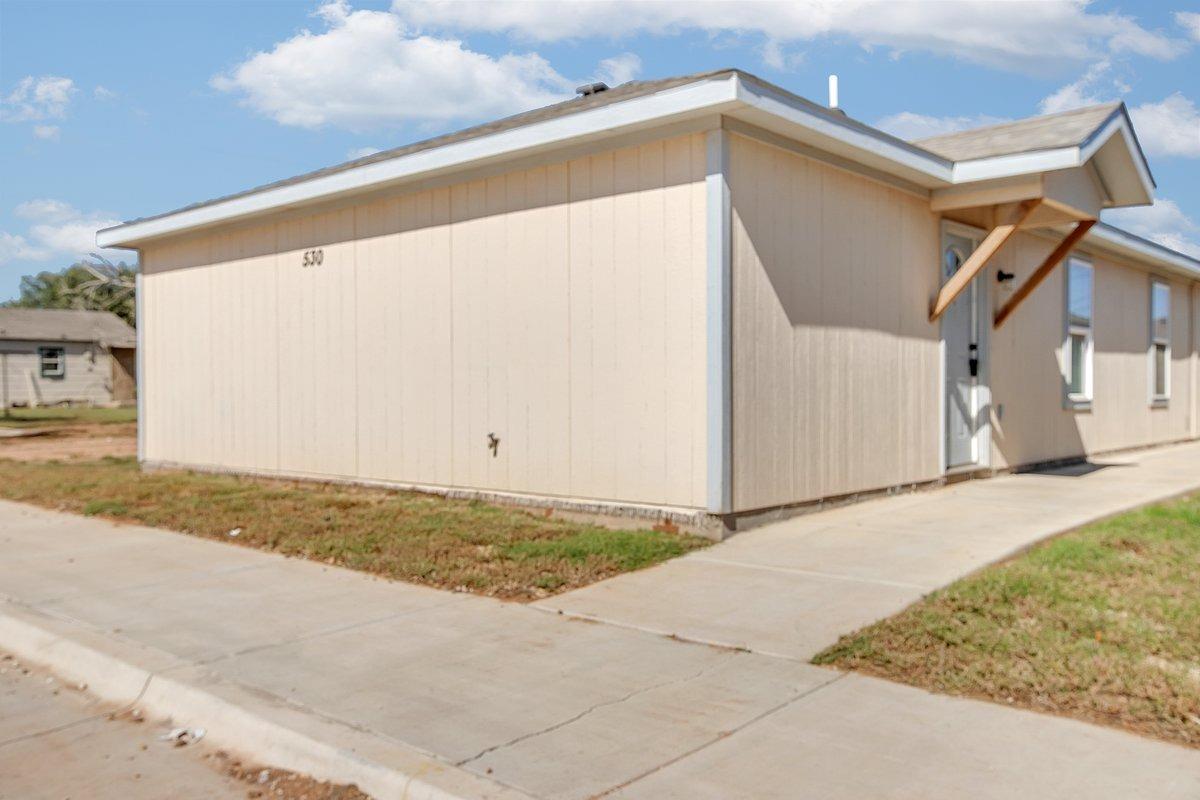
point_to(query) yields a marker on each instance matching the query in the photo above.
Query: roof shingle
(65, 325)
(1065, 129)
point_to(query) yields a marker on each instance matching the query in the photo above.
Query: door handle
(974, 360)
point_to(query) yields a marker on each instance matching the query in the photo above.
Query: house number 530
(314, 258)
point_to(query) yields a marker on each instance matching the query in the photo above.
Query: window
(53, 362)
(1160, 342)
(1077, 348)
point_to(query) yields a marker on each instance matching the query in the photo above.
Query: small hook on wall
(493, 444)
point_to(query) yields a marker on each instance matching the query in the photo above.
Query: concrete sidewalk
(478, 698)
(792, 588)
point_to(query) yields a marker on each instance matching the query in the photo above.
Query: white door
(961, 338)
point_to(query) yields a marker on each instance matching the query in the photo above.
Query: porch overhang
(1072, 196)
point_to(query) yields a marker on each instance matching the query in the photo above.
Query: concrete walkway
(792, 588)
(479, 698)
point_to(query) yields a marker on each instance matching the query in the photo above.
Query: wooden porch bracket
(1040, 274)
(979, 259)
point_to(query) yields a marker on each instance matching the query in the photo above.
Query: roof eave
(1122, 242)
(724, 93)
(1126, 174)
(674, 104)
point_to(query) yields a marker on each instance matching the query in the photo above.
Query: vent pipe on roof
(833, 92)
(591, 88)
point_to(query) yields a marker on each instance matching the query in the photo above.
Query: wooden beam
(1040, 274)
(979, 259)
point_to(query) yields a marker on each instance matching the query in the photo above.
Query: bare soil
(85, 442)
(279, 783)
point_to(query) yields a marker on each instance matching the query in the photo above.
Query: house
(52, 356)
(702, 297)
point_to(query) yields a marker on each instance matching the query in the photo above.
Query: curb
(254, 724)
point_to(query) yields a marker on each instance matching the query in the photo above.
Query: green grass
(60, 416)
(1102, 624)
(454, 544)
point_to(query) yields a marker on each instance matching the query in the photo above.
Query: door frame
(981, 397)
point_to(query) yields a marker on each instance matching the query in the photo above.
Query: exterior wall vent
(591, 88)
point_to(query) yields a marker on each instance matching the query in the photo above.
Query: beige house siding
(1195, 384)
(836, 368)
(88, 377)
(560, 307)
(1032, 424)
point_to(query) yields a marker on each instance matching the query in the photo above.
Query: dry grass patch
(1102, 624)
(451, 544)
(64, 416)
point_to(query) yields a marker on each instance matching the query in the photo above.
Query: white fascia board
(697, 98)
(985, 169)
(1124, 243)
(982, 169)
(880, 146)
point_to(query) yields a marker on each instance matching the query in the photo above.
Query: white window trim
(1076, 401)
(1160, 400)
(61, 371)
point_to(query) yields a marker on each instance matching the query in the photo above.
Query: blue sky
(110, 111)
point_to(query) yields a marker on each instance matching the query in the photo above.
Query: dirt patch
(85, 442)
(271, 783)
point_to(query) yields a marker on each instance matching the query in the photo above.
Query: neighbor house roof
(1102, 135)
(65, 325)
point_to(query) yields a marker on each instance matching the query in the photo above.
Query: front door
(961, 338)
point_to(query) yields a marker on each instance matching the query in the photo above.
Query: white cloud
(49, 132)
(366, 70)
(104, 93)
(36, 99)
(619, 69)
(1168, 128)
(908, 125)
(1164, 222)
(1083, 92)
(776, 56)
(14, 247)
(57, 230)
(361, 152)
(1024, 37)
(1189, 21)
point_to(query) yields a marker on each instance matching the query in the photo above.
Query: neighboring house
(702, 296)
(51, 356)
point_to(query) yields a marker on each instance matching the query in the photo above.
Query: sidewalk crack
(571, 720)
(132, 704)
(720, 737)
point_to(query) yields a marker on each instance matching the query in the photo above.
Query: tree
(96, 285)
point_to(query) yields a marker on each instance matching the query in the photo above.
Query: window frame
(1078, 401)
(61, 372)
(1156, 399)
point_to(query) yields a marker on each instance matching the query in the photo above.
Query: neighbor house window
(1077, 348)
(53, 362)
(1160, 341)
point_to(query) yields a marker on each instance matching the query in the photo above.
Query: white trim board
(731, 94)
(726, 93)
(672, 104)
(719, 334)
